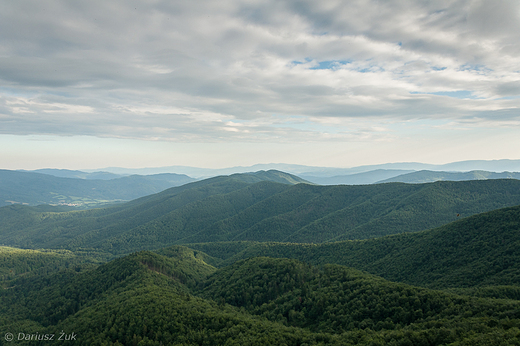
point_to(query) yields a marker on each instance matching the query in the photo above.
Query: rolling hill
(178, 299)
(477, 251)
(49, 228)
(369, 177)
(330, 298)
(256, 207)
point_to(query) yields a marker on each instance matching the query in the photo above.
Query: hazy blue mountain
(198, 172)
(462, 166)
(369, 177)
(431, 176)
(31, 188)
(321, 172)
(67, 173)
(484, 165)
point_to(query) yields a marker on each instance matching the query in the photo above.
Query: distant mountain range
(409, 172)
(369, 177)
(31, 188)
(312, 171)
(82, 189)
(431, 176)
(66, 173)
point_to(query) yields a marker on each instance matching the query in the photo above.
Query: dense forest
(179, 299)
(476, 251)
(339, 277)
(261, 207)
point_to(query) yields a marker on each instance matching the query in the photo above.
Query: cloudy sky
(91, 84)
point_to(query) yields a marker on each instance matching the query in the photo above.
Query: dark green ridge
(236, 208)
(335, 298)
(481, 250)
(28, 227)
(178, 299)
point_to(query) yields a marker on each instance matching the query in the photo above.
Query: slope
(43, 301)
(150, 299)
(335, 299)
(306, 213)
(247, 208)
(478, 251)
(30, 227)
(16, 263)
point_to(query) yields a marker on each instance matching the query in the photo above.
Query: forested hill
(47, 227)
(478, 251)
(178, 299)
(249, 207)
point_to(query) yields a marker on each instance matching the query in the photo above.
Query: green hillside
(151, 299)
(16, 263)
(336, 299)
(478, 251)
(255, 207)
(365, 177)
(110, 228)
(32, 227)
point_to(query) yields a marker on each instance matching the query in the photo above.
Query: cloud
(236, 70)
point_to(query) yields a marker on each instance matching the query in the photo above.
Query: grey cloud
(234, 60)
(496, 19)
(509, 88)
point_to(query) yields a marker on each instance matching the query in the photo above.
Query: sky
(92, 84)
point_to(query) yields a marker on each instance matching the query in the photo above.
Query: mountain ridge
(38, 188)
(247, 208)
(426, 176)
(476, 251)
(197, 172)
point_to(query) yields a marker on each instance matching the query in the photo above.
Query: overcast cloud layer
(256, 71)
